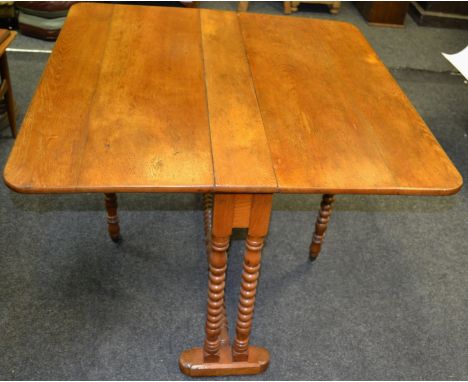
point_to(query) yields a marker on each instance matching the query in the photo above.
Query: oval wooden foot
(191, 363)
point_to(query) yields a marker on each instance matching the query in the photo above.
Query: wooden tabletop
(155, 99)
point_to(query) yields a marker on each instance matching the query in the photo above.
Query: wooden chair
(6, 91)
(292, 6)
(244, 7)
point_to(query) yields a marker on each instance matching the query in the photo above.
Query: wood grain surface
(336, 120)
(153, 99)
(241, 155)
(121, 106)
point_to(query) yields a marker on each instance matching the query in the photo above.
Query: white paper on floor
(459, 60)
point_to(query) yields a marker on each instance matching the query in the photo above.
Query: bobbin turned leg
(321, 226)
(112, 217)
(258, 229)
(221, 229)
(208, 219)
(208, 222)
(216, 356)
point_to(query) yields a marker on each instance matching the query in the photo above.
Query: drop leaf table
(234, 106)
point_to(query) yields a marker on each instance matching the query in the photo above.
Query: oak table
(241, 106)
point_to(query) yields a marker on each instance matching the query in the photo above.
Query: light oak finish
(237, 133)
(335, 119)
(119, 120)
(263, 81)
(6, 88)
(234, 105)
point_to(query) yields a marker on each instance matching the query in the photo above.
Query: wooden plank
(131, 112)
(242, 207)
(336, 120)
(46, 152)
(241, 155)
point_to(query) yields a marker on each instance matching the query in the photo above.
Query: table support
(321, 226)
(112, 217)
(217, 358)
(208, 218)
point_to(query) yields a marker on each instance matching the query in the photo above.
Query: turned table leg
(321, 226)
(220, 234)
(258, 229)
(217, 357)
(208, 222)
(112, 217)
(207, 219)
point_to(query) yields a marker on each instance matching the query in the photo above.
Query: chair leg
(9, 100)
(335, 7)
(243, 6)
(112, 217)
(321, 226)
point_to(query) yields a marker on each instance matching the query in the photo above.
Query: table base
(191, 362)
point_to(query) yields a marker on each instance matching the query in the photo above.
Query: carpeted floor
(387, 299)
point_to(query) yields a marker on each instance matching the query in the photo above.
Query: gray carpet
(387, 299)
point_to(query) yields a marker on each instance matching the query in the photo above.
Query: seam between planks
(241, 32)
(202, 51)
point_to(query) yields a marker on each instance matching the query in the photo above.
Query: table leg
(335, 7)
(208, 219)
(112, 217)
(321, 226)
(243, 6)
(217, 357)
(216, 317)
(258, 229)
